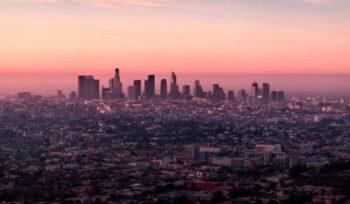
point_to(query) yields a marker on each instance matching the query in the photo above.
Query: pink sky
(50, 37)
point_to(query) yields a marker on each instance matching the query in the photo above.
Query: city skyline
(222, 37)
(295, 85)
(89, 89)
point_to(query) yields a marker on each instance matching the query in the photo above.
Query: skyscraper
(255, 89)
(88, 87)
(186, 90)
(242, 95)
(273, 95)
(216, 90)
(163, 89)
(107, 93)
(131, 93)
(116, 86)
(231, 96)
(150, 87)
(146, 90)
(280, 95)
(137, 85)
(218, 93)
(174, 88)
(198, 90)
(266, 93)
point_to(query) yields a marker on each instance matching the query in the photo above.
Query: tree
(273, 202)
(218, 197)
(259, 201)
(181, 200)
(296, 170)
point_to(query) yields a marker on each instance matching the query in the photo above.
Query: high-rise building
(266, 92)
(231, 95)
(255, 89)
(24, 96)
(198, 90)
(174, 88)
(242, 95)
(218, 93)
(273, 95)
(186, 90)
(137, 85)
(132, 93)
(116, 86)
(191, 152)
(88, 88)
(163, 89)
(277, 96)
(146, 90)
(150, 87)
(280, 95)
(107, 93)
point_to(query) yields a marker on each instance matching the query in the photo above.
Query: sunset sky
(69, 37)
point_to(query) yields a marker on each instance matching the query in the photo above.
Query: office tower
(82, 86)
(231, 95)
(218, 93)
(150, 87)
(255, 89)
(198, 90)
(222, 95)
(95, 89)
(106, 93)
(186, 90)
(163, 89)
(280, 95)
(273, 95)
(115, 85)
(146, 90)
(208, 95)
(266, 92)
(88, 87)
(132, 93)
(190, 152)
(24, 96)
(242, 95)
(137, 85)
(174, 88)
